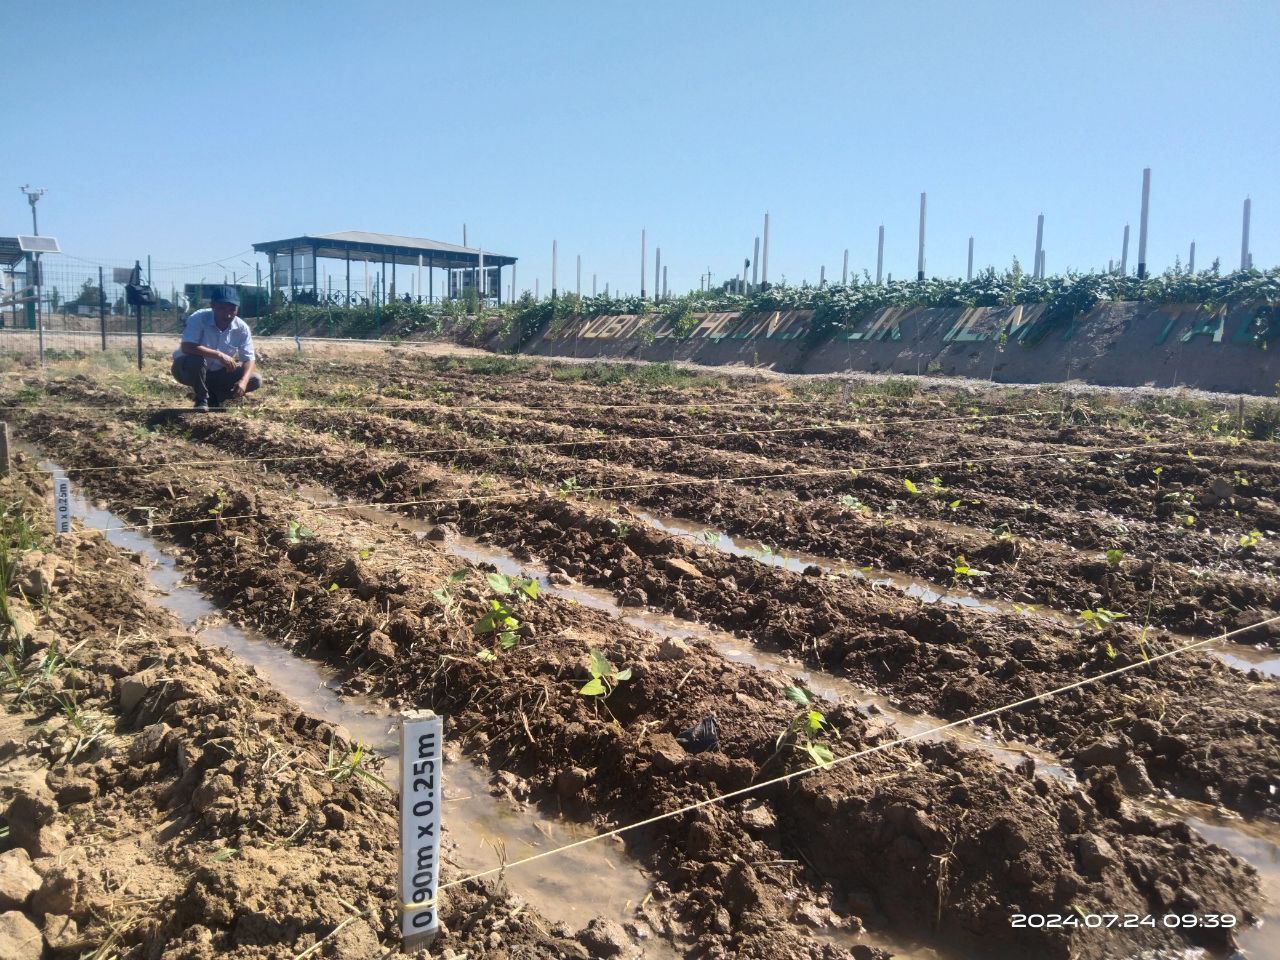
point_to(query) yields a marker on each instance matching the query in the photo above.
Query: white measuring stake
(61, 505)
(421, 774)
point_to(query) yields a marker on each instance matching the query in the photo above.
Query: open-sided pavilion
(294, 267)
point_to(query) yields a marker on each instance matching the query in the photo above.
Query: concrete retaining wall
(1117, 344)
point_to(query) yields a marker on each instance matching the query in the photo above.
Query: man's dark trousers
(211, 386)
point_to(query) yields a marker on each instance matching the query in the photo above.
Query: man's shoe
(202, 406)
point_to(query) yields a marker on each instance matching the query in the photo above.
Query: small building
(388, 267)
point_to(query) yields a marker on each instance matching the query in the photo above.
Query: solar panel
(39, 244)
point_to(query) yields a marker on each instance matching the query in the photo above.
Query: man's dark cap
(225, 295)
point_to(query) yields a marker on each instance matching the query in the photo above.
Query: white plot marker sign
(421, 769)
(61, 505)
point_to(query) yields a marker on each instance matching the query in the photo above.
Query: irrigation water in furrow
(1242, 656)
(1039, 572)
(846, 814)
(477, 826)
(828, 685)
(1239, 772)
(1256, 842)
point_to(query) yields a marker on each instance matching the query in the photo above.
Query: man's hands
(238, 388)
(228, 362)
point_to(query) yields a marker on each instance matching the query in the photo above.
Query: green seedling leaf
(954, 504)
(498, 583)
(333, 587)
(814, 721)
(798, 695)
(458, 576)
(820, 754)
(600, 666)
(622, 675)
(507, 640)
(911, 488)
(485, 656)
(1114, 556)
(593, 688)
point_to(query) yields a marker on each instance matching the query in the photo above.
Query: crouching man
(215, 358)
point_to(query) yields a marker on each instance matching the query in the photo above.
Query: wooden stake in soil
(4, 449)
(61, 505)
(421, 781)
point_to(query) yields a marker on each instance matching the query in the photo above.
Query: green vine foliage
(836, 307)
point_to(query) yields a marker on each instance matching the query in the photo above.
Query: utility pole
(1191, 260)
(969, 276)
(1142, 226)
(755, 264)
(657, 274)
(764, 265)
(844, 274)
(1039, 242)
(665, 289)
(880, 257)
(920, 256)
(1245, 260)
(642, 263)
(1124, 253)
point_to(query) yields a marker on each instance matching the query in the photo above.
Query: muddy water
(479, 828)
(1241, 656)
(1257, 843)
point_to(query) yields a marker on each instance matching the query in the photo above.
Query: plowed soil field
(779, 574)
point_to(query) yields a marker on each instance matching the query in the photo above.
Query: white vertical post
(1124, 253)
(421, 793)
(920, 255)
(665, 289)
(514, 288)
(969, 274)
(61, 502)
(844, 273)
(755, 264)
(482, 286)
(657, 274)
(593, 285)
(822, 275)
(1142, 225)
(880, 256)
(1040, 265)
(553, 269)
(1244, 237)
(419, 289)
(464, 234)
(764, 264)
(1191, 260)
(642, 262)
(366, 277)
(1039, 242)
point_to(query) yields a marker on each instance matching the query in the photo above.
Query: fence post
(4, 449)
(102, 307)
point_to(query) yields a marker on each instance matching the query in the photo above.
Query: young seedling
(1250, 540)
(962, 569)
(620, 528)
(567, 486)
(296, 532)
(806, 729)
(1115, 557)
(500, 624)
(351, 764)
(605, 677)
(1100, 618)
(911, 488)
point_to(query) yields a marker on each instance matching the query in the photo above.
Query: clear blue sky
(190, 131)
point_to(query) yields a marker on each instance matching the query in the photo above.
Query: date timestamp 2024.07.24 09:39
(1093, 921)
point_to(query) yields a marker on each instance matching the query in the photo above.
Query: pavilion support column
(431, 279)
(348, 278)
